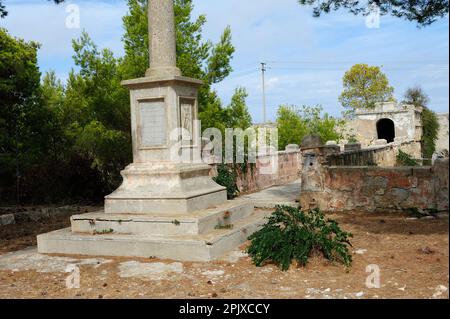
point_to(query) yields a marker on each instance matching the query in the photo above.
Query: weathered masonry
(371, 188)
(387, 121)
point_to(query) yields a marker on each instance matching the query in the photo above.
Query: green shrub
(404, 159)
(430, 124)
(293, 234)
(227, 178)
(352, 139)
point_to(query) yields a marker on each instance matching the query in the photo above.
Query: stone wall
(286, 168)
(381, 155)
(384, 189)
(441, 183)
(12, 215)
(443, 142)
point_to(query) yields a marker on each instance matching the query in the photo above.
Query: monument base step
(200, 222)
(203, 247)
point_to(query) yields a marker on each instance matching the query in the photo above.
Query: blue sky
(306, 56)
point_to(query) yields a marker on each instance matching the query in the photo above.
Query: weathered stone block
(291, 148)
(381, 142)
(7, 219)
(352, 147)
(311, 141)
(375, 185)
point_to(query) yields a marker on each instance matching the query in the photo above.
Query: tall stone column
(162, 39)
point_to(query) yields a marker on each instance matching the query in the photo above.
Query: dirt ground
(412, 255)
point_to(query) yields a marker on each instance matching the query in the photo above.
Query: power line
(428, 61)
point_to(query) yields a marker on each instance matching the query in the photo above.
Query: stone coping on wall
(381, 147)
(410, 171)
(388, 108)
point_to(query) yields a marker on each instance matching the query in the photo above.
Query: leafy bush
(352, 139)
(295, 123)
(430, 123)
(227, 178)
(404, 159)
(291, 233)
(430, 136)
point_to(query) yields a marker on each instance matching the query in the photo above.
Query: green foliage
(196, 57)
(97, 111)
(227, 178)
(404, 159)
(430, 133)
(107, 150)
(291, 128)
(176, 222)
(295, 123)
(364, 86)
(421, 213)
(416, 96)
(430, 123)
(422, 12)
(25, 122)
(104, 231)
(237, 114)
(292, 234)
(224, 226)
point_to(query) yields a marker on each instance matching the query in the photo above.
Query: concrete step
(204, 247)
(195, 223)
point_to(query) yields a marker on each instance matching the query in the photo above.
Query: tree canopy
(295, 123)
(364, 86)
(422, 12)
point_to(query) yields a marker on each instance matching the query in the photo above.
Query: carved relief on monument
(187, 116)
(152, 123)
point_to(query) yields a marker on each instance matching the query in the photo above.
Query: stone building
(387, 121)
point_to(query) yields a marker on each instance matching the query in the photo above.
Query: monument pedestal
(203, 235)
(164, 208)
(165, 188)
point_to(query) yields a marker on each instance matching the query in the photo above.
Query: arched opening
(386, 130)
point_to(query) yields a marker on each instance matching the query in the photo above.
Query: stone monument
(165, 207)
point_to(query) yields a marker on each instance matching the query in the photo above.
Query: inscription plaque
(152, 123)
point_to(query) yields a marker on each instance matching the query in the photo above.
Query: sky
(306, 57)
